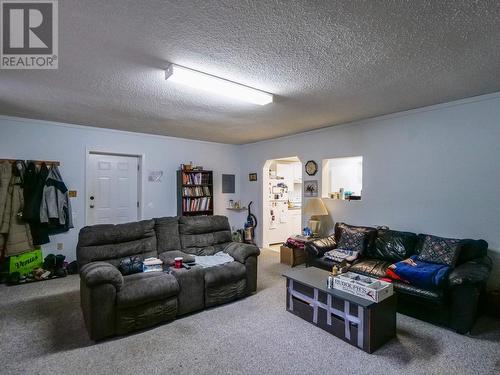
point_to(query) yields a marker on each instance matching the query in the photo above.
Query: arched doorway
(281, 200)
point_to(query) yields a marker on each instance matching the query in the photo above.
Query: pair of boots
(55, 264)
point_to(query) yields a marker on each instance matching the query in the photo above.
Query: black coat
(34, 182)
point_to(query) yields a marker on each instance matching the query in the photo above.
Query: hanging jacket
(29, 187)
(34, 182)
(55, 208)
(5, 176)
(15, 232)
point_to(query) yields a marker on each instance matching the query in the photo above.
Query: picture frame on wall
(311, 188)
(252, 177)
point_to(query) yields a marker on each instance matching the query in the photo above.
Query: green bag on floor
(26, 262)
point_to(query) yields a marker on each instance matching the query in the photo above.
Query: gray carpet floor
(42, 332)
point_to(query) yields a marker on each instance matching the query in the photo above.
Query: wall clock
(311, 167)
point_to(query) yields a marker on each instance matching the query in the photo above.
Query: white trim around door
(88, 179)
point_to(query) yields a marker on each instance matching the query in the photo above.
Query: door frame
(265, 200)
(140, 176)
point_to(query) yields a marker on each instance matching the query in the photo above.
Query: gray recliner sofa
(114, 304)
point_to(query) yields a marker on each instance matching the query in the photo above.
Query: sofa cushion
(472, 249)
(112, 243)
(430, 295)
(114, 253)
(371, 267)
(367, 240)
(224, 274)
(475, 271)
(438, 249)
(115, 233)
(320, 246)
(393, 246)
(206, 250)
(321, 262)
(167, 233)
(203, 224)
(204, 235)
(141, 288)
(168, 257)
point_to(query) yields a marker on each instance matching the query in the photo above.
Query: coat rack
(37, 162)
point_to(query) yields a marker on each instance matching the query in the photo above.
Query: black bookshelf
(195, 193)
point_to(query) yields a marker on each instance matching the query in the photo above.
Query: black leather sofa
(454, 305)
(114, 304)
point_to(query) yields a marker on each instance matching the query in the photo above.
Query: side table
(293, 252)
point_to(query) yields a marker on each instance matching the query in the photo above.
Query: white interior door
(112, 196)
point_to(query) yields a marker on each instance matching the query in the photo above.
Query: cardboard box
(292, 256)
(366, 287)
(152, 265)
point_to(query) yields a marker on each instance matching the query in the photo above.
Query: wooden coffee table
(359, 322)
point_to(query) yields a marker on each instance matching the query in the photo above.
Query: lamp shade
(315, 207)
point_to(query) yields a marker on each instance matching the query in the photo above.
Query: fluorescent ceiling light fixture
(216, 85)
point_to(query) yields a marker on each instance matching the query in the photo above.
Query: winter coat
(16, 236)
(5, 175)
(34, 182)
(55, 208)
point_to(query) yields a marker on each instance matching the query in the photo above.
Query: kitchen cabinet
(295, 222)
(288, 223)
(285, 170)
(297, 173)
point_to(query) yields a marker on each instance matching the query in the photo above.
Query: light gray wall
(31, 139)
(432, 170)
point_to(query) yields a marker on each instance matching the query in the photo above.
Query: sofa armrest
(319, 247)
(476, 271)
(241, 251)
(97, 273)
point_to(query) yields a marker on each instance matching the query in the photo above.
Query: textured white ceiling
(328, 62)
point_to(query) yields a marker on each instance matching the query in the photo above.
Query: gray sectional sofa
(114, 304)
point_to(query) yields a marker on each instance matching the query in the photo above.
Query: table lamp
(314, 208)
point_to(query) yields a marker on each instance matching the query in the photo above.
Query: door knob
(91, 201)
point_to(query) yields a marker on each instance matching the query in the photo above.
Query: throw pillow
(439, 250)
(352, 239)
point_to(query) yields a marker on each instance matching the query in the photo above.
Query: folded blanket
(420, 274)
(294, 242)
(213, 260)
(338, 255)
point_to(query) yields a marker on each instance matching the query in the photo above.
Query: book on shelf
(196, 204)
(195, 178)
(196, 191)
